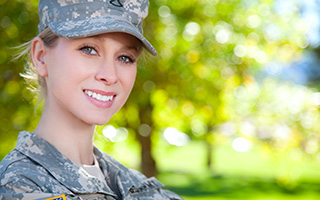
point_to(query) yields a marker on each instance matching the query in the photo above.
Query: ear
(38, 54)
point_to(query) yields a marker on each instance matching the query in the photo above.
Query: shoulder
(131, 183)
(16, 165)
(142, 187)
(21, 174)
(12, 162)
(15, 170)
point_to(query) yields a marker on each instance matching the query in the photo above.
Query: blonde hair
(36, 83)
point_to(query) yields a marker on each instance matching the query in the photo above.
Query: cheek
(64, 76)
(130, 78)
(68, 67)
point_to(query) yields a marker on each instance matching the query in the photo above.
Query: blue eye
(89, 50)
(126, 59)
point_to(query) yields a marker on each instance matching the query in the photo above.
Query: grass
(255, 175)
(236, 187)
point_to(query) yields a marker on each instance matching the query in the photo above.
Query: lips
(100, 98)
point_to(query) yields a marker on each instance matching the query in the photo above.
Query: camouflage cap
(83, 18)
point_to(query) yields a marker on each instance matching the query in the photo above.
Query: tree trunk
(209, 154)
(209, 140)
(148, 163)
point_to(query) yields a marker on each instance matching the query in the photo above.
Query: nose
(107, 73)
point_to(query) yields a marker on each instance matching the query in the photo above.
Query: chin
(97, 118)
(98, 122)
(101, 123)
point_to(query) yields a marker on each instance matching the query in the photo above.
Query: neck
(71, 136)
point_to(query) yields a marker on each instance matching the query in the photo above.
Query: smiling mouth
(99, 97)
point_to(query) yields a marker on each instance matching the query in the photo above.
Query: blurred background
(228, 110)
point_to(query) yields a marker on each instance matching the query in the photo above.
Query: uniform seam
(12, 162)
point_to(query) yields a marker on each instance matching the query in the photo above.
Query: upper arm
(23, 180)
(15, 187)
(24, 189)
(15, 183)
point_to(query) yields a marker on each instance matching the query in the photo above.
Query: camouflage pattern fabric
(83, 18)
(37, 170)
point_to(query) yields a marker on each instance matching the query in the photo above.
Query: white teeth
(98, 96)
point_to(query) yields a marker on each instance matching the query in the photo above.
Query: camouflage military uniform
(37, 170)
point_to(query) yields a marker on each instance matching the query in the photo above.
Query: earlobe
(38, 54)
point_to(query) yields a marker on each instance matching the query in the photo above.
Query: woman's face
(91, 78)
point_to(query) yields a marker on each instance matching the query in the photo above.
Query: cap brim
(96, 26)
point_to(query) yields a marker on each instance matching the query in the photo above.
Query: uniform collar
(60, 167)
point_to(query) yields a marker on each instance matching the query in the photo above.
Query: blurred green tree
(18, 24)
(207, 48)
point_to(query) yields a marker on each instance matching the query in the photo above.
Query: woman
(85, 58)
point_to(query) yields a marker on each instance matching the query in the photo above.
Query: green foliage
(203, 79)
(281, 115)
(18, 22)
(207, 50)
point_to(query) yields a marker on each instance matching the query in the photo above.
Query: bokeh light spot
(175, 137)
(241, 145)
